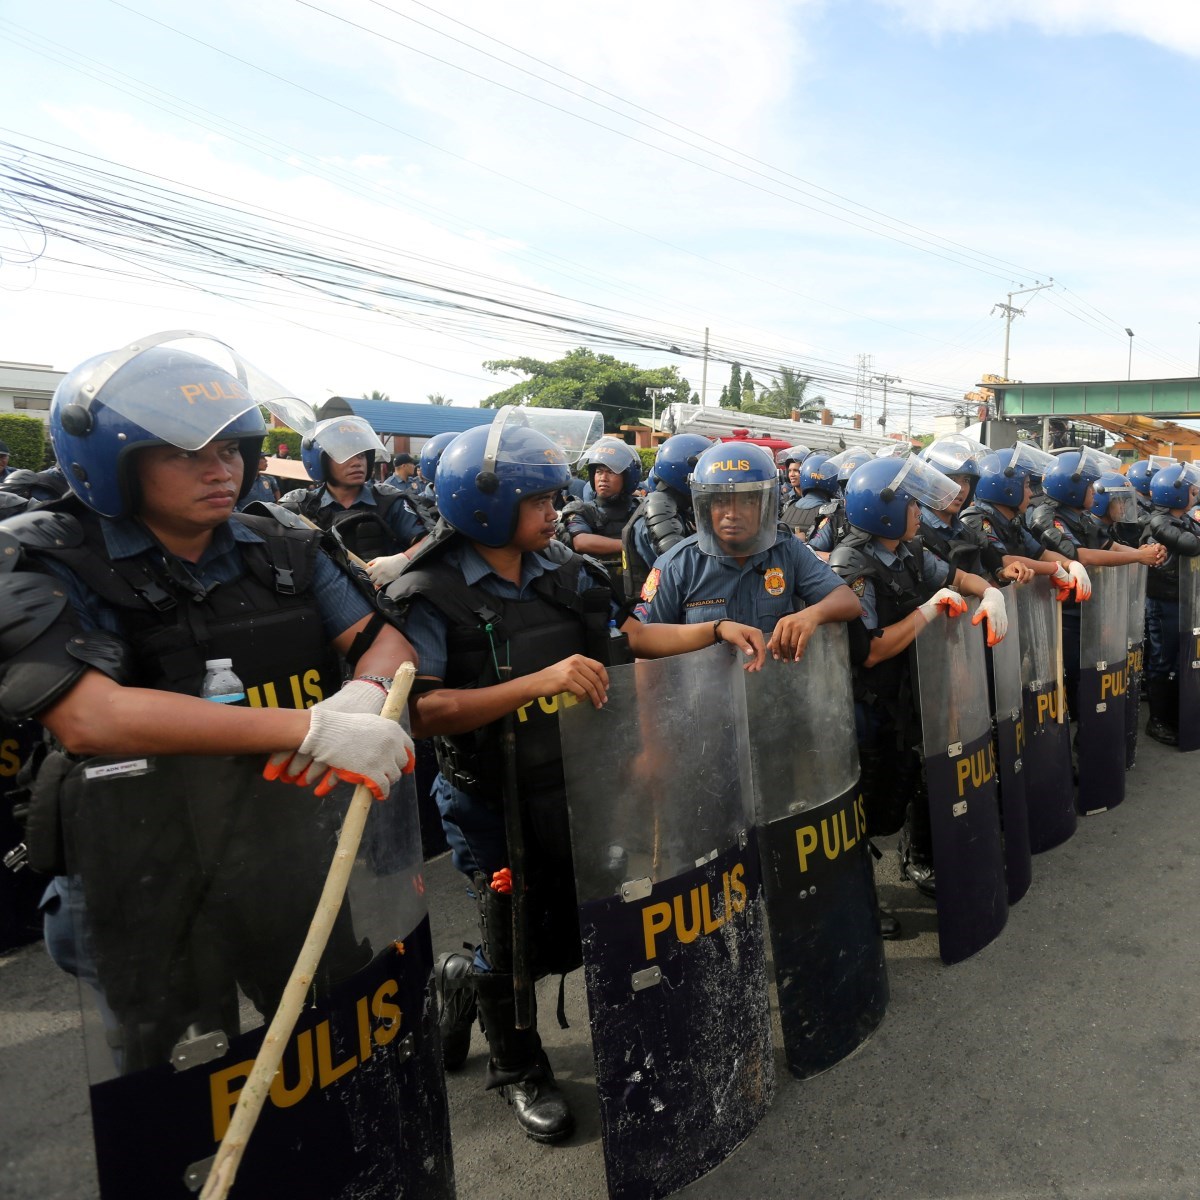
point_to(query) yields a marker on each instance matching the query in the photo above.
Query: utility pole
(885, 380)
(1009, 312)
(704, 372)
(908, 427)
(655, 395)
(1129, 369)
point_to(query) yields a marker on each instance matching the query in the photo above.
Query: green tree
(747, 391)
(732, 396)
(724, 401)
(789, 392)
(584, 379)
(376, 395)
(439, 399)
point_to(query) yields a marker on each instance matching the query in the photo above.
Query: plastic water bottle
(221, 684)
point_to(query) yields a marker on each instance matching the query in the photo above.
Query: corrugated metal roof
(418, 420)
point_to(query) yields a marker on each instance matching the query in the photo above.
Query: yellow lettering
(283, 1096)
(548, 704)
(270, 700)
(522, 715)
(682, 931)
(224, 1097)
(739, 888)
(847, 840)
(365, 1046)
(297, 699)
(10, 757)
(386, 1012)
(312, 688)
(656, 919)
(962, 769)
(831, 852)
(254, 697)
(191, 391)
(711, 923)
(326, 1071)
(1020, 731)
(806, 843)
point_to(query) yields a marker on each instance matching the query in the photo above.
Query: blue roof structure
(394, 417)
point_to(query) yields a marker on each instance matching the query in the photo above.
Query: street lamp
(1129, 371)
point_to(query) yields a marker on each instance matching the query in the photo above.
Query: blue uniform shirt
(1030, 546)
(424, 624)
(936, 573)
(263, 489)
(405, 526)
(406, 487)
(690, 587)
(340, 605)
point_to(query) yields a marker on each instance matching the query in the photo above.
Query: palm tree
(376, 395)
(438, 398)
(788, 393)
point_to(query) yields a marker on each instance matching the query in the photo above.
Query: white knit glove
(945, 600)
(357, 696)
(1081, 580)
(386, 569)
(357, 748)
(992, 608)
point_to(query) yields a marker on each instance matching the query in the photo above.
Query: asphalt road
(1062, 1061)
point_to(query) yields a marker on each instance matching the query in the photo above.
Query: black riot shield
(670, 912)
(1188, 671)
(1046, 760)
(1010, 745)
(830, 975)
(193, 882)
(1103, 680)
(20, 886)
(960, 771)
(1134, 657)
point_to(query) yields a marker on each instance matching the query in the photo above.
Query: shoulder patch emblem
(774, 581)
(650, 587)
(859, 586)
(987, 525)
(1060, 527)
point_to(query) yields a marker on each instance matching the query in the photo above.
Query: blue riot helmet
(1074, 472)
(1000, 483)
(847, 461)
(619, 457)
(338, 440)
(791, 454)
(1139, 474)
(156, 392)
(486, 472)
(1112, 497)
(817, 476)
(431, 454)
(735, 496)
(1172, 486)
(675, 459)
(879, 492)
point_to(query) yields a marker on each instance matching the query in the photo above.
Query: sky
(810, 181)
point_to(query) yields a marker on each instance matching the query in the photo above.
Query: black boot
(916, 849)
(889, 925)
(518, 1066)
(1164, 710)
(454, 974)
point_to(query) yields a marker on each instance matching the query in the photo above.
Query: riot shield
(1188, 670)
(193, 882)
(670, 911)
(830, 976)
(20, 886)
(1134, 657)
(1103, 654)
(1010, 746)
(1046, 761)
(960, 772)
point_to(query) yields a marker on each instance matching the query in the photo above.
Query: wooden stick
(1061, 699)
(254, 1094)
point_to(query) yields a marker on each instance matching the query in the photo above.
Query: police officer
(790, 462)
(741, 563)
(831, 525)
(339, 456)
(900, 589)
(1002, 494)
(1115, 506)
(665, 516)
(507, 620)
(1174, 491)
(1065, 524)
(403, 478)
(818, 490)
(263, 488)
(126, 588)
(594, 527)
(427, 465)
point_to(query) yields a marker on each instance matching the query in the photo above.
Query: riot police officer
(741, 563)
(263, 489)
(665, 516)
(1115, 506)
(818, 491)
(508, 622)
(1065, 524)
(594, 527)
(1173, 491)
(831, 524)
(126, 588)
(339, 456)
(427, 465)
(900, 589)
(790, 462)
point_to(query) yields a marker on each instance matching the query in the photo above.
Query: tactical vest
(363, 531)
(1162, 583)
(1009, 532)
(267, 621)
(834, 514)
(896, 595)
(665, 524)
(958, 548)
(604, 520)
(487, 633)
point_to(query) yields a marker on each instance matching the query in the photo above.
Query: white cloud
(1173, 24)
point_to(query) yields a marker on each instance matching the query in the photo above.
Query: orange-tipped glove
(357, 696)
(356, 748)
(945, 600)
(991, 608)
(502, 881)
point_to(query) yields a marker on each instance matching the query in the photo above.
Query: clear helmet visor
(1159, 462)
(1094, 463)
(572, 430)
(735, 520)
(1122, 504)
(209, 402)
(955, 454)
(344, 437)
(899, 450)
(1030, 459)
(923, 482)
(1190, 475)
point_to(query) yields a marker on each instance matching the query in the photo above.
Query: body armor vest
(363, 531)
(666, 523)
(1180, 535)
(1009, 532)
